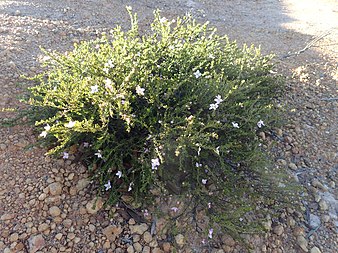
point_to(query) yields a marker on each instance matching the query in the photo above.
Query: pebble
(278, 230)
(54, 211)
(323, 206)
(43, 227)
(302, 242)
(130, 249)
(179, 240)
(292, 166)
(138, 229)
(166, 247)
(111, 232)
(7, 216)
(137, 246)
(315, 250)
(314, 221)
(82, 183)
(55, 188)
(14, 237)
(94, 205)
(36, 242)
(147, 237)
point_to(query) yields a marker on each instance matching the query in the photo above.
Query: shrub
(178, 107)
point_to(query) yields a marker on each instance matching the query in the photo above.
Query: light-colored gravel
(46, 205)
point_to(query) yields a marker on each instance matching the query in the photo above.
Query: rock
(82, 183)
(36, 242)
(278, 230)
(157, 250)
(43, 227)
(67, 223)
(147, 237)
(138, 229)
(111, 232)
(54, 211)
(55, 188)
(130, 249)
(137, 247)
(166, 247)
(14, 237)
(146, 249)
(179, 240)
(292, 166)
(314, 221)
(325, 218)
(228, 240)
(94, 205)
(302, 242)
(315, 250)
(323, 205)
(7, 216)
(70, 236)
(58, 236)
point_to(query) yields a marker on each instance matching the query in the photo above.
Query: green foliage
(178, 107)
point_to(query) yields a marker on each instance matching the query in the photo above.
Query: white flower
(119, 174)
(130, 186)
(139, 90)
(65, 155)
(94, 88)
(47, 127)
(109, 64)
(204, 181)
(209, 205)
(260, 123)
(107, 185)
(213, 106)
(85, 144)
(106, 70)
(210, 233)
(218, 99)
(107, 84)
(197, 74)
(235, 125)
(155, 163)
(198, 165)
(199, 151)
(162, 20)
(217, 150)
(98, 154)
(43, 134)
(174, 209)
(70, 124)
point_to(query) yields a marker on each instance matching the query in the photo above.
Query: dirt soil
(46, 204)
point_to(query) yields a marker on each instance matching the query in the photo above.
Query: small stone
(106, 245)
(158, 250)
(36, 242)
(55, 188)
(14, 237)
(166, 247)
(315, 183)
(67, 223)
(315, 250)
(130, 249)
(302, 242)
(323, 205)
(17, 13)
(70, 236)
(7, 216)
(43, 227)
(179, 240)
(58, 236)
(138, 229)
(82, 183)
(111, 232)
(77, 239)
(292, 166)
(278, 230)
(146, 249)
(42, 196)
(91, 227)
(137, 247)
(147, 237)
(314, 221)
(54, 211)
(228, 240)
(94, 205)
(325, 218)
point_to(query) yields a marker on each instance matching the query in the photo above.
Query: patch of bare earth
(46, 204)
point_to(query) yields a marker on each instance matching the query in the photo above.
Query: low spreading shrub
(178, 108)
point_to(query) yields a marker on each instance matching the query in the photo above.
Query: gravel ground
(46, 204)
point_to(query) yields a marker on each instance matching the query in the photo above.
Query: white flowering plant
(179, 107)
